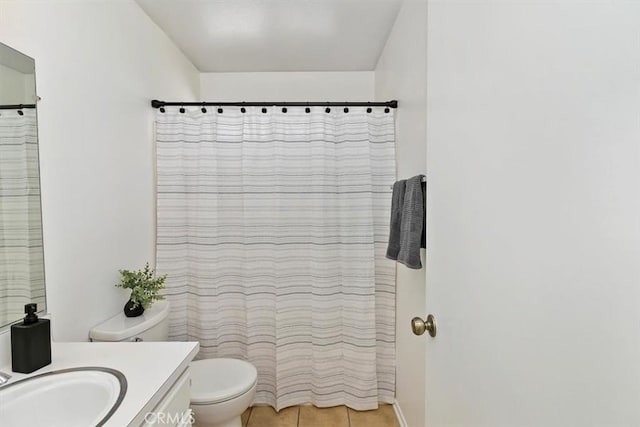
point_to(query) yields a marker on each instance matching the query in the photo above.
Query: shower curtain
(272, 228)
(21, 251)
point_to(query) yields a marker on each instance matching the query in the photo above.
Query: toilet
(221, 389)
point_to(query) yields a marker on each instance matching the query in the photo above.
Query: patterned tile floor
(310, 416)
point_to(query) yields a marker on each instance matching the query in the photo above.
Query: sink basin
(81, 397)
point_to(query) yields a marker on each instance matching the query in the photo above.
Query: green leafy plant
(144, 286)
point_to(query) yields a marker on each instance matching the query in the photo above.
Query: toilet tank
(152, 325)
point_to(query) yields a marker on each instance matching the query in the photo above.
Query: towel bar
(424, 179)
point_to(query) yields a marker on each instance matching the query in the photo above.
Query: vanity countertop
(151, 368)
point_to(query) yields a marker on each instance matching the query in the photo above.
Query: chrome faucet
(4, 378)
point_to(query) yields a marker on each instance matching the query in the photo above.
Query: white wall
(401, 74)
(98, 64)
(533, 139)
(29, 88)
(13, 86)
(287, 86)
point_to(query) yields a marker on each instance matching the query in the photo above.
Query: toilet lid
(120, 327)
(217, 380)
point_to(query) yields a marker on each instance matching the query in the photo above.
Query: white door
(533, 259)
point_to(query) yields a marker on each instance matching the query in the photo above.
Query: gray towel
(397, 201)
(411, 224)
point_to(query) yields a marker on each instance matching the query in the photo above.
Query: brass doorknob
(419, 326)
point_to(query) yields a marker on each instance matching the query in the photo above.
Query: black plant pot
(129, 311)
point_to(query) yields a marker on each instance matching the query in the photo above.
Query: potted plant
(144, 289)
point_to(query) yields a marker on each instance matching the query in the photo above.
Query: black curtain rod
(389, 104)
(17, 106)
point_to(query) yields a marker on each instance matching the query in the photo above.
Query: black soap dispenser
(30, 342)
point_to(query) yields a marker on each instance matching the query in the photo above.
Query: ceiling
(15, 60)
(277, 35)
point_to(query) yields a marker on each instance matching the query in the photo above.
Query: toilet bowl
(225, 388)
(221, 389)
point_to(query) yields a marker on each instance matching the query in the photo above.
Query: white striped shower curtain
(21, 250)
(272, 228)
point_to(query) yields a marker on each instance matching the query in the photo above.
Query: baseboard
(399, 414)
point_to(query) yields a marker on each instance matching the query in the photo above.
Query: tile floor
(310, 416)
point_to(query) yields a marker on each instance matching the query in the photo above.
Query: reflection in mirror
(21, 250)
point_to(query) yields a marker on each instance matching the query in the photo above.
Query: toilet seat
(219, 380)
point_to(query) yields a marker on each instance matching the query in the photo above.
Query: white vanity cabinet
(158, 380)
(173, 410)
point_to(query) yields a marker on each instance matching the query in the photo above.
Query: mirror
(21, 249)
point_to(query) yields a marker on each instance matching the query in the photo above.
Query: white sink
(80, 397)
